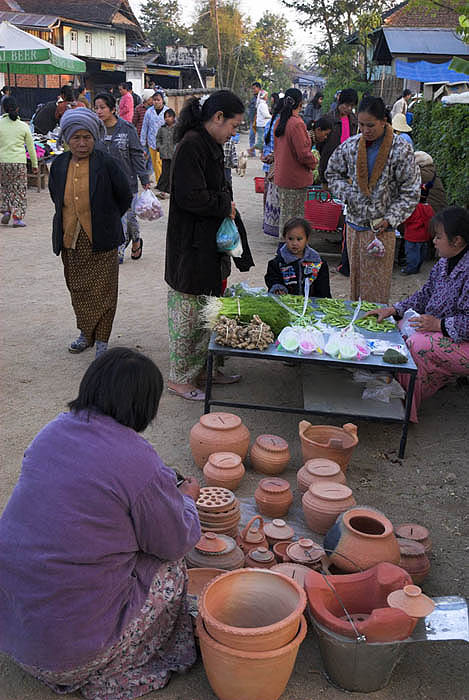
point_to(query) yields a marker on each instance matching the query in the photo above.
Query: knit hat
(147, 94)
(399, 123)
(81, 118)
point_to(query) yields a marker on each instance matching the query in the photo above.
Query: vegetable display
(255, 335)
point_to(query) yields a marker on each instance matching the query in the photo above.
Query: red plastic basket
(259, 184)
(323, 216)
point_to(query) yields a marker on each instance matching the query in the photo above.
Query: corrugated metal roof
(25, 19)
(424, 41)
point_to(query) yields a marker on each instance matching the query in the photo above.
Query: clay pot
(322, 503)
(198, 578)
(224, 469)
(297, 572)
(273, 497)
(280, 551)
(218, 432)
(270, 454)
(278, 531)
(412, 601)
(361, 538)
(307, 553)
(215, 551)
(260, 558)
(248, 675)
(414, 560)
(252, 536)
(331, 442)
(315, 469)
(252, 609)
(417, 533)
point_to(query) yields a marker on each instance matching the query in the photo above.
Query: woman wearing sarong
(92, 578)
(90, 195)
(271, 200)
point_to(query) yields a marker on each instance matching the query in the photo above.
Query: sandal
(137, 254)
(78, 346)
(194, 395)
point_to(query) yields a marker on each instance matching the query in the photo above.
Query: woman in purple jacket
(440, 345)
(92, 578)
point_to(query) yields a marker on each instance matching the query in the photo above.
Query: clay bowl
(252, 609)
(198, 578)
(234, 674)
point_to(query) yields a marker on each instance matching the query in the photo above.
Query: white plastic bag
(289, 338)
(311, 340)
(406, 329)
(378, 391)
(147, 206)
(376, 248)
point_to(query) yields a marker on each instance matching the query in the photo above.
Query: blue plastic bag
(228, 240)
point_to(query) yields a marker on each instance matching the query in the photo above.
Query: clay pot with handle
(224, 469)
(218, 432)
(252, 536)
(317, 469)
(322, 503)
(328, 441)
(270, 454)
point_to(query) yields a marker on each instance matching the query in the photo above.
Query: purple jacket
(444, 296)
(93, 514)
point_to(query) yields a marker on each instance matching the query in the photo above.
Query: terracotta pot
(252, 609)
(224, 469)
(414, 560)
(307, 553)
(411, 601)
(218, 432)
(322, 503)
(295, 571)
(331, 442)
(215, 551)
(417, 533)
(248, 675)
(198, 579)
(260, 558)
(273, 497)
(361, 538)
(218, 510)
(252, 536)
(270, 454)
(280, 551)
(315, 469)
(278, 531)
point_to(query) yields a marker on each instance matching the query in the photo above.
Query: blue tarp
(426, 72)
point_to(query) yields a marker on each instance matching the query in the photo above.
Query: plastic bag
(378, 391)
(289, 338)
(376, 248)
(311, 340)
(406, 329)
(147, 206)
(347, 345)
(228, 240)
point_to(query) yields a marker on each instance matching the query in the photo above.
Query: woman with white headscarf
(90, 196)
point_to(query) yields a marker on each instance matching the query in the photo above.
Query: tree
(162, 23)
(274, 39)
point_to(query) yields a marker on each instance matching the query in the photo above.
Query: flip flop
(194, 395)
(137, 254)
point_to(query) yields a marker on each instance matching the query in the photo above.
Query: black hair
(349, 96)
(406, 92)
(323, 123)
(5, 89)
(293, 98)
(276, 111)
(256, 84)
(10, 107)
(276, 99)
(129, 85)
(296, 221)
(158, 92)
(122, 384)
(170, 112)
(374, 106)
(67, 93)
(106, 97)
(193, 115)
(315, 100)
(77, 91)
(455, 222)
(124, 85)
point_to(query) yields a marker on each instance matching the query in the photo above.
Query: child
(165, 146)
(295, 261)
(416, 234)
(231, 157)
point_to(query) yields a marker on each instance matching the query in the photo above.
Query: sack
(147, 206)
(228, 240)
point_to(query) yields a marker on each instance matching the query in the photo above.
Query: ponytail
(275, 113)
(291, 101)
(10, 107)
(195, 114)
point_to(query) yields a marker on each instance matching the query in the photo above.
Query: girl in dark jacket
(200, 200)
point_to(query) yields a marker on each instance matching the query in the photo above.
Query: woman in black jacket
(200, 200)
(90, 196)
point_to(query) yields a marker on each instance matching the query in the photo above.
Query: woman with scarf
(152, 121)
(376, 175)
(90, 195)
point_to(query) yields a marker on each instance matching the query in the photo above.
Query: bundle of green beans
(244, 308)
(371, 323)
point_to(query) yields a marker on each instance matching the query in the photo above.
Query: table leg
(408, 406)
(208, 383)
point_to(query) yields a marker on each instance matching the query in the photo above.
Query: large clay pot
(417, 533)
(248, 675)
(270, 454)
(322, 503)
(252, 609)
(252, 536)
(260, 558)
(315, 470)
(361, 538)
(414, 560)
(307, 553)
(215, 551)
(218, 432)
(278, 531)
(224, 469)
(329, 441)
(273, 497)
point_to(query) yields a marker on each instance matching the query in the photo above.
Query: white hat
(146, 94)
(399, 123)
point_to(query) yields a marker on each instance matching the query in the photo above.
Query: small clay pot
(218, 432)
(270, 454)
(412, 601)
(297, 572)
(273, 497)
(260, 558)
(278, 531)
(329, 441)
(252, 536)
(315, 469)
(224, 469)
(323, 502)
(280, 551)
(215, 551)
(417, 533)
(414, 560)
(307, 553)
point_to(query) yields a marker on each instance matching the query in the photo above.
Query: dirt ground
(39, 377)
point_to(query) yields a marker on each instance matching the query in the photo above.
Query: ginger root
(255, 335)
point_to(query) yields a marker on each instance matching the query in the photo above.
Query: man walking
(126, 103)
(252, 111)
(401, 105)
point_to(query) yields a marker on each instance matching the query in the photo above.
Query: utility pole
(217, 27)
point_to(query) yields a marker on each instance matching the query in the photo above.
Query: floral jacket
(396, 193)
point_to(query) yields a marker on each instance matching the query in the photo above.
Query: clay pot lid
(411, 531)
(225, 460)
(272, 443)
(410, 548)
(261, 554)
(412, 601)
(220, 421)
(297, 572)
(322, 467)
(210, 544)
(278, 529)
(305, 551)
(215, 499)
(274, 485)
(330, 490)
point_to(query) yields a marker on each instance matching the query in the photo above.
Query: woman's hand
(280, 291)
(426, 324)
(233, 210)
(381, 314)
(190, 487)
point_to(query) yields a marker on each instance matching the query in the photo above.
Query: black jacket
(333, 140)
(110, 197)
(287, 273)
(200, 200)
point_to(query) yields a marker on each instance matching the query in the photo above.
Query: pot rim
(372, 515)
(215, 457)
(279, 444)
(208, 419)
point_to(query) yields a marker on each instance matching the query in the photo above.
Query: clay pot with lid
(417, 533)
(215, 551)
(260, 558)
(323, 502)
(317, 469)
(270, 454)
(273, 497)
(307, 553)
(411, 601)
(218, 432)
(329, 441)
(278, 531)
(414, 560)
(224, 469)
(252, 536)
